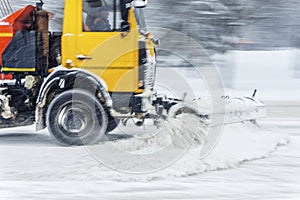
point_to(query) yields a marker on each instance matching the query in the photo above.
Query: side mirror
(94, 3)
(140, 3)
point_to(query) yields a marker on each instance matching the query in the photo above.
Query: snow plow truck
(81, 82)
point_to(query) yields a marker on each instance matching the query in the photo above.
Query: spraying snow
(179, 133)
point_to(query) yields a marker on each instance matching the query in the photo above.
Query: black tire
(76, 117)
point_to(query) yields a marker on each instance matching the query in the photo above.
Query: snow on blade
(225, 110)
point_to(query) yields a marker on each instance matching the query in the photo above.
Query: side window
(106, 18)
(118, 16)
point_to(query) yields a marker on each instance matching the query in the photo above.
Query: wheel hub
(74, 119)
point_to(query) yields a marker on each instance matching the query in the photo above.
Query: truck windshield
(139, 15)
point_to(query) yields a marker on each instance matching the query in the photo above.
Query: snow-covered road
(247, 163)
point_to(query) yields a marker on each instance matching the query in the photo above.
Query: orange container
(18, 21)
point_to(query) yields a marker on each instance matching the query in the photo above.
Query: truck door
(104, 50)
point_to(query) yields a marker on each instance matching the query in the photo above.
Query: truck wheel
(76, 117)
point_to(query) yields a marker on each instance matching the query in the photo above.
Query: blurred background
(222, 25)
(255, 44)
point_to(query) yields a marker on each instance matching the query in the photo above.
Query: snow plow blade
(225, 110)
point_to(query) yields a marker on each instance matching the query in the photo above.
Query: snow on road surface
(36, 158)
(33, 167)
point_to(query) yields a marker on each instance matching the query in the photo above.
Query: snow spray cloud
(148, 149)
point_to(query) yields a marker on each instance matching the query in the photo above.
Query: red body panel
(6, 77)
(21, 19)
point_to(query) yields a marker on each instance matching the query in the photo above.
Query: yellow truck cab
(116, 55)
(107, 42)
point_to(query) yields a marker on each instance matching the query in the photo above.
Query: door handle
(83, 57)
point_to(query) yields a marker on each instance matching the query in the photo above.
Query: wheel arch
(61, 80)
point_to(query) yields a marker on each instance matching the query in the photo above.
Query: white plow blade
(222, 111)
(243, 109)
